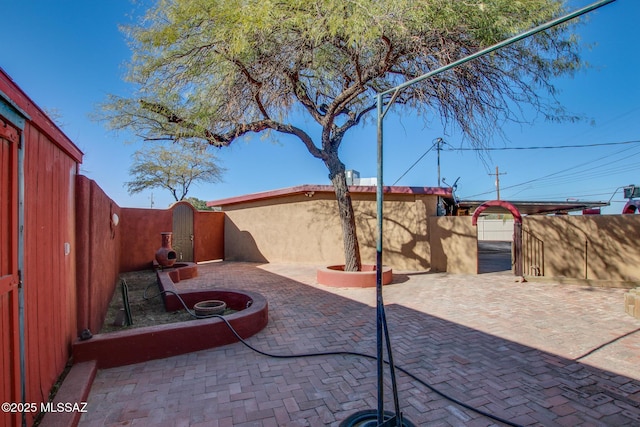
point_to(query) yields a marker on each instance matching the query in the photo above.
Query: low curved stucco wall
(156, 342)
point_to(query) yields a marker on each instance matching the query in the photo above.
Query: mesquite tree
(215, 70)
(175, 168)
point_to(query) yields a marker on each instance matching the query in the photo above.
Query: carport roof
(532, 207)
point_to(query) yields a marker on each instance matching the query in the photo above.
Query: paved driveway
(494, 256)
(535, 353)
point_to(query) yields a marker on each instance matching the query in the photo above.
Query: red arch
(497, 203)
(632, 207)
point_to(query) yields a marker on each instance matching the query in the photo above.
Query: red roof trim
(301, 189)
(37, 117)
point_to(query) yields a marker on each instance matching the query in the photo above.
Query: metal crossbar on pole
(543, 27)
(382, 111)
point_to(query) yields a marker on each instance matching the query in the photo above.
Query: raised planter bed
(335, 275)
(155, 342)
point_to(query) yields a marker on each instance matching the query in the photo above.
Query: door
(183, 232)
(9, 321)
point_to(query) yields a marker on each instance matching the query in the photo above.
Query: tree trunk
(345, 209)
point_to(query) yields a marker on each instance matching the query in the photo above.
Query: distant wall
(495, 229)
(301, 229)
(454, 245)
(597, 247)
(284, 230)
(140, 230)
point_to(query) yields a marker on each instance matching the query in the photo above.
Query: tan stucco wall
(454, 246)
(589, 247)
(304, 229)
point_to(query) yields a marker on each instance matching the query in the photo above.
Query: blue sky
(67, 55)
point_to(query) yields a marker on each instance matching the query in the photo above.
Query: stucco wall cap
(302, 189)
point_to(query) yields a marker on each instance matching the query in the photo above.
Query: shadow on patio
(233, 385)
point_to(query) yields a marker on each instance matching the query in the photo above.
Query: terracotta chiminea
(166, 256)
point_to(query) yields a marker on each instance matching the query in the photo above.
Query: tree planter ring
(334, 275)
(209, 307)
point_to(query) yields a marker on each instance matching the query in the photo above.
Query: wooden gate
(9, 277)
(183, 231)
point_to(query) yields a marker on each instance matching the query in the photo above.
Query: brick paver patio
(535, 353)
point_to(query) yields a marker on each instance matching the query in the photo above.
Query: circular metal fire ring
(369, 418)
(209, 307)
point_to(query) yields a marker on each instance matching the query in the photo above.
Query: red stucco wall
(98, 253)
(208, 229)
(141, 228)
(141, 239)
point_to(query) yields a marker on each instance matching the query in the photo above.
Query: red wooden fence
(49, 165)
(9, 344)
(71, 249)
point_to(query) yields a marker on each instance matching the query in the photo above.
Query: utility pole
(439, 143)
(151, 200)
(497, 174)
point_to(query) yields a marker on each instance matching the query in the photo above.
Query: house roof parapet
(305, 189)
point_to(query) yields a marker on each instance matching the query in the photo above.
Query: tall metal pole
(396, 90)
(379, 302)
(379, 193)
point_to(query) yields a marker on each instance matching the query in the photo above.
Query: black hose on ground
(339, 353)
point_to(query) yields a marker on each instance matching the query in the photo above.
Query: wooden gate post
(517, 248)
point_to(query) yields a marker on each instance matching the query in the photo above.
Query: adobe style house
(301, 224)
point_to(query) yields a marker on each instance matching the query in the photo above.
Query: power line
(544, 147)
(561, 175)
(550, 178)
(439, 142)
